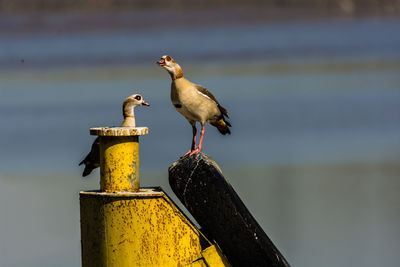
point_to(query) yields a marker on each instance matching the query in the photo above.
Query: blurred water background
(314, 103)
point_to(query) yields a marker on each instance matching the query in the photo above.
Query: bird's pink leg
(199, 148)
(193, 147)
(194, 137)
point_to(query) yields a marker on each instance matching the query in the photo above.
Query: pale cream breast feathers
(192, 103)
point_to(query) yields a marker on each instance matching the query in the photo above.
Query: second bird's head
(133, 101)
(136, 100)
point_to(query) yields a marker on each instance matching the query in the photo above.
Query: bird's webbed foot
(194, 151)
(187, 153)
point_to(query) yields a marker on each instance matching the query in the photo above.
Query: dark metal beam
(200, 185)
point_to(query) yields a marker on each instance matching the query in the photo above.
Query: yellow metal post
(119, 158)
(125, 225)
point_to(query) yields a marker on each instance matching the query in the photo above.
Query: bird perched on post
(128, 109)
(92, 160)
(195, 103)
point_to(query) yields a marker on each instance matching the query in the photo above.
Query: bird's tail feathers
(92, 160)
(88, 169)
(227, 122)
(223, 110)
(222, 125)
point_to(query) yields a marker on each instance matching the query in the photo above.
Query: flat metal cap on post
(119, 131)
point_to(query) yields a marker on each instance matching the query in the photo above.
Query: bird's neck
(129, 115)
(129, 122)
(176, 73)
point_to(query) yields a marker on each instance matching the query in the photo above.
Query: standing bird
(92, 160)
(195, 103)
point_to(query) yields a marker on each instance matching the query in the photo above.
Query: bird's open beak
(144, 103)
(161, 62)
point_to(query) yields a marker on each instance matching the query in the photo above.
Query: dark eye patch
(138, 97)
(168, 58)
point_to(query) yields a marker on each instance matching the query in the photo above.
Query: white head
(170, 65)
(131, 102)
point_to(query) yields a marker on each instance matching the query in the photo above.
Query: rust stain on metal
(119, 163)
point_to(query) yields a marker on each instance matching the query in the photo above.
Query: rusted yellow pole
(125, 225)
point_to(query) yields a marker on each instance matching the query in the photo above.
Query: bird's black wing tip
(224, 131)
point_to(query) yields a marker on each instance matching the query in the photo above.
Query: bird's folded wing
(205, 92)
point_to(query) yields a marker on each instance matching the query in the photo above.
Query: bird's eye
(138, 97)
